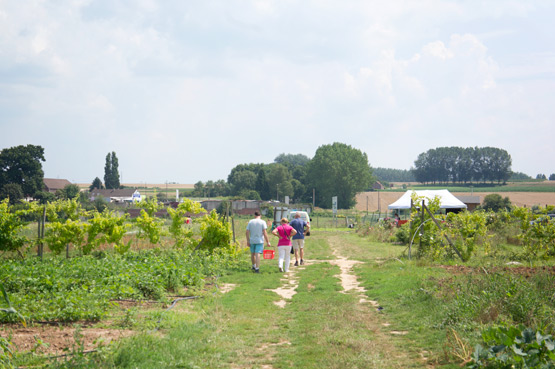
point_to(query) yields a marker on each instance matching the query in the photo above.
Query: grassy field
(357, 302)
(518, 186)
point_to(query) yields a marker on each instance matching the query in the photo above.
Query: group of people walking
(291, 237)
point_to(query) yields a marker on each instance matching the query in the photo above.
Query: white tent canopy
(446, 198)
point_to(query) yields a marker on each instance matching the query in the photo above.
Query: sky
(183, 91)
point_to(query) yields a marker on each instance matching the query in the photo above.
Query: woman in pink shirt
(284, 232)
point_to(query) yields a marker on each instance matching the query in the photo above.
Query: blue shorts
(256, 248)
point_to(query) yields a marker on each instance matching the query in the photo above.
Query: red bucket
(268, 254)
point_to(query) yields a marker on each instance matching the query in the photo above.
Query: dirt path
(384, 336)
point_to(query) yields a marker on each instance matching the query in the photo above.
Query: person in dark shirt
(302, 228)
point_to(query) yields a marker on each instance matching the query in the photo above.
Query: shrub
(495, 202)
(402, 235)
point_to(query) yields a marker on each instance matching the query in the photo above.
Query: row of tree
(463, 165)
(335, 170)
(386, 175)
(542, 176)
(21, 175)
(394, 175)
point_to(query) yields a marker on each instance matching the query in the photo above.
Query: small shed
(210, 205)
(378, 186)
(472, 202)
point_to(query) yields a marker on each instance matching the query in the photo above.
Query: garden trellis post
(411, 224)
(421, 222)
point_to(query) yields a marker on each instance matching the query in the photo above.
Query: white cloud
(164, 84)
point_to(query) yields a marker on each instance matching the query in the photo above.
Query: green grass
(321, 327)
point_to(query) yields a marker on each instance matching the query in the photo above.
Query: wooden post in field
(366, 205)
(228, 210)
(233, 228)
(38, 236)
(421, 222)
(410, 227)
(42, 220)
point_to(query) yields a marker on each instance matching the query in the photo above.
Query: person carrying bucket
(256, 234)
(284, 232)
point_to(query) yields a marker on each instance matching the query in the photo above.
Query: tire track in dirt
(351, 285)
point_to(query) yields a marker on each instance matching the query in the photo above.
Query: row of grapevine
(69, 225)
(434, 235)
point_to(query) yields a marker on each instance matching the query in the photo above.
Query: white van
(304, 216)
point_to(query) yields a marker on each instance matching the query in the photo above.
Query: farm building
(210, 205)
(471, 202)
(246, 204)
(119, 195)
(378, 186)
(237, 206)
(52, 184)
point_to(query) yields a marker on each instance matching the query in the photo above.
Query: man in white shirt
(256, 234)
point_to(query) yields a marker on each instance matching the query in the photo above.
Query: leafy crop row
(84, 288)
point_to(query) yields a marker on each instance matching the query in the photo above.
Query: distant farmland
(525, 197)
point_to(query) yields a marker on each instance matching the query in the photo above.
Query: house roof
(55, 183)
(470, 199)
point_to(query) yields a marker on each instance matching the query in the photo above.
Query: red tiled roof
(53, 184)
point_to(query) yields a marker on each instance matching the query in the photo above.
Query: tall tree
(221, 188)
(22, 165)
(243, 177)
(244, 180)
(279, 181)
(292, 160)
(198, 190)
(96, 184)
(262, 185)
(111, 171)
(209, 186)
(338, 170)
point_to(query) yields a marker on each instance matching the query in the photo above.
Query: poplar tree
(111, 171)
